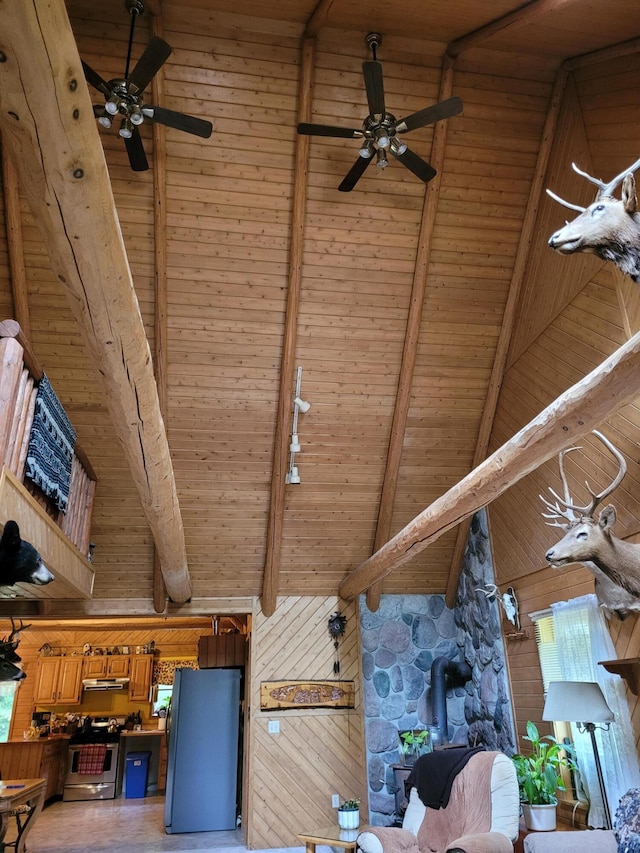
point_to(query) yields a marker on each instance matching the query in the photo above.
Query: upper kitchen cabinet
(106, 666)
(140, 678)
(58, 681)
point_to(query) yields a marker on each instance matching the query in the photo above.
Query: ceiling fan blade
(354, 174)
(420, 168)
(94, 79)
(372, 71)
(443, 109)
(137, 157)
(180, 121)
(153, 58)
(327, 130)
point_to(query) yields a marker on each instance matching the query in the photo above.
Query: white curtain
(583, 639)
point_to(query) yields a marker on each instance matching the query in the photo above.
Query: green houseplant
(349, 814)
(539, 774)
(414, 742)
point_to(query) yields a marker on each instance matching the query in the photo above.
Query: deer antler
(604, 189)
(15, 632)
(566, 203)
(587, 510)
(556, 510)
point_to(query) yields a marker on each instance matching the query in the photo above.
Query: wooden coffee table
(332, 836)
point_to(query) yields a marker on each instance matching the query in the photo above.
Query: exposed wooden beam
(518, 17)
(605, 54)
(318, 20)
(160, 351)
(412, 332)
(580, 409)
(271, 575)
(47, 123)
(15, 244)
(510, 313)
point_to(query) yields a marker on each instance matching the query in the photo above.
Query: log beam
(48, 127)
(580, 409)
(271, 574)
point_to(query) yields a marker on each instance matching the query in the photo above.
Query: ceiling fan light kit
(124, 96)
(380, 128)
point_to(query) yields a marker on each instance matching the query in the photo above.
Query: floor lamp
(581, 702)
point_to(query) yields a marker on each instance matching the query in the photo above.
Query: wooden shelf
(629, 669)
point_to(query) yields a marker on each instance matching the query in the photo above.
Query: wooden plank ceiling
(397, 300)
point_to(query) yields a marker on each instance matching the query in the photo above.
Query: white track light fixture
(299, 405)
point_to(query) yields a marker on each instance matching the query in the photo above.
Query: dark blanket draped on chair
(51, 444)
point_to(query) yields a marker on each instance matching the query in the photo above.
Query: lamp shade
(576, 702)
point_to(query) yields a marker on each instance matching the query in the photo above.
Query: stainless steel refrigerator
(202, 760)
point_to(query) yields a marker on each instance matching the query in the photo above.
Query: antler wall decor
(507, 601)
(609, 227)
(614, 563)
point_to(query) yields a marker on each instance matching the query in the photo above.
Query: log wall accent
(318, 752)
(18, 388)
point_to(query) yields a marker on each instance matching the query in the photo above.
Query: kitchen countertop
(126, 733)
(47, 739)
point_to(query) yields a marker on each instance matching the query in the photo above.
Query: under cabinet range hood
(104, 683)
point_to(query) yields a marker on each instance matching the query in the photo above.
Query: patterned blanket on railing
(51, 443)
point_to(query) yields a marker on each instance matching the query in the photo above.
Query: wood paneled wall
(318, 752)
(574, 313)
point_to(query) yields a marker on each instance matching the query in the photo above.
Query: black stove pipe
(440, 668)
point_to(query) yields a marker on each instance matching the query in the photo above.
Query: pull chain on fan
(380, 129)
(124, 96)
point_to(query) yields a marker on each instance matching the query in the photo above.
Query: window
(7, 695)
(162, 698)
(547, 648)
(572, 637)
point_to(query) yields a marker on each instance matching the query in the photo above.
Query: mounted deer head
(609, 228)
(9, 658)
(614, 563)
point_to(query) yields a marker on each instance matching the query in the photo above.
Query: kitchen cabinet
(45, 758)
(140, 678)
(58, 681)
(106, 666)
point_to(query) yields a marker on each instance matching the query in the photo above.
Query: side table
(331, 836)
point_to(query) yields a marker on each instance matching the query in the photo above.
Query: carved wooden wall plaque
(306, 694)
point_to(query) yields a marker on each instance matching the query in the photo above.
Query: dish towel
(51, 443)
(91, 758)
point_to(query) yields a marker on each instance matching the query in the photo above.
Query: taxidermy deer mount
(608, 228)
(615, 564)
(507, 601)
(9, 657)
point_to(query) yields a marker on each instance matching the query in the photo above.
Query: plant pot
(540, 818)
(348, 818)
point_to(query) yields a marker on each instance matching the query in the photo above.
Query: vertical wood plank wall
(586, 314)
(318, 752)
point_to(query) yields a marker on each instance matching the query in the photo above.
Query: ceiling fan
(124, 96)
(380, 128)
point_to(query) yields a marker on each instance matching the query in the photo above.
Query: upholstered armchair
(480, 816)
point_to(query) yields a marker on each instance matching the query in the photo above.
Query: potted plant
(349, 814)
(540, 777)
(414, 743)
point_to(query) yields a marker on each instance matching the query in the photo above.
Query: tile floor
(125, 826)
